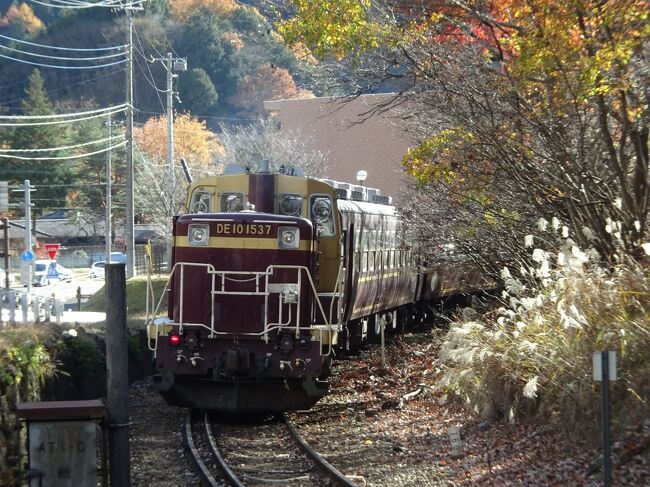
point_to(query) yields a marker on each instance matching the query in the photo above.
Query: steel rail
(332, 472)
(221, 462)
(205, 477)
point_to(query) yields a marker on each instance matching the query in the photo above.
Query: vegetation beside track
(136, 289)
(534, 353)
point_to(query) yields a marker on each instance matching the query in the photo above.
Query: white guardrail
(18, 307)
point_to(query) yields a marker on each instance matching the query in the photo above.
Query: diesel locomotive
(271, 273)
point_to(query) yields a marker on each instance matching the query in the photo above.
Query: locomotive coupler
(195, 360)
(284, 364)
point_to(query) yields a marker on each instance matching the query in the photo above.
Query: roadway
(67, 291)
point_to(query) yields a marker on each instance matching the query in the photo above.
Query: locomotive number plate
(252, 229)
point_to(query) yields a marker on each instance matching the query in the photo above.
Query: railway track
(266, 453)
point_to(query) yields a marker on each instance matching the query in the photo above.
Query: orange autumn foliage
(268, 82)
(182, 10)
(192, 140)
(24, 16)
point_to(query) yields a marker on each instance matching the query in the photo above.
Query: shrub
(25, 364)
(535, 352)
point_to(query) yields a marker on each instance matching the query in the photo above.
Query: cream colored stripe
(379, 276)
(240, 243)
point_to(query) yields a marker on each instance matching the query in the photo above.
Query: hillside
(231, 50)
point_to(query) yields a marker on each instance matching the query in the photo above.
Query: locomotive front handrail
(224, 276)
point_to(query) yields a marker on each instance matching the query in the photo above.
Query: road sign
(52, 273)
(27, 256)
(52, 249)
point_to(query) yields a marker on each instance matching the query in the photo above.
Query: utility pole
(27, 188)
(130, 237)
(171, 64)
(170, 128)
(108, 230)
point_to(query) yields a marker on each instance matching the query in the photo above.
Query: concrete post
(24, 307)
(58, 310)
(117, 376)
(36, 308)
(11, 303)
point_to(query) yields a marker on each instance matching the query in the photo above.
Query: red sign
(52, 249)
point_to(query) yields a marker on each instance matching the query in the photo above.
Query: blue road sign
(27, 256)
(52, 273)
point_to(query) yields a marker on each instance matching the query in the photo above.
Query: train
(274, 272)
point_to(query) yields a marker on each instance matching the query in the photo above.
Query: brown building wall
(352, 135)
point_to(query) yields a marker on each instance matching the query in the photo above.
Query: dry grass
(535, 353)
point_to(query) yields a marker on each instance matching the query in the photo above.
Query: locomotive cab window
(232, 202)
(290, 204)
(321, 213)
(201, 202)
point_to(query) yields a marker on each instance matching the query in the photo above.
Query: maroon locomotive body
(272, 272)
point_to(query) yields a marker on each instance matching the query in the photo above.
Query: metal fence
(84, 256)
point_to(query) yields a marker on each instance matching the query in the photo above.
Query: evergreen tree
(51, 176)
(204, 45)
(198, 92)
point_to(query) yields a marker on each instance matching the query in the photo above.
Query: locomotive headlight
(288, 237)
(198, 235)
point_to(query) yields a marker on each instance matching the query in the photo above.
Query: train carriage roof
(363, 207)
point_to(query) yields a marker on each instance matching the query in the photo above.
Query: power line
(56, 122)
(65, 147)
(95, 78)
(64, 158)
(64, 58)
(203, 116)
(58, 66)
(61, 115)
(153, 46)
(60, 48)
(151, 82)
(80, 5)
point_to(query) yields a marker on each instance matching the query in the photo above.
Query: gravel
(371, 433)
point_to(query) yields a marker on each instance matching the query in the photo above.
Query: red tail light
(174, 339)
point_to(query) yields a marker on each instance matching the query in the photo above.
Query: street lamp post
(361, 176)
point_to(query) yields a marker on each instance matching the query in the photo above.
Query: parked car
(97, 270)
(118, 257)
(65, 274)
(43, 276)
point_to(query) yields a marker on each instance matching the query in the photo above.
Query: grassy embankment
(136, 289)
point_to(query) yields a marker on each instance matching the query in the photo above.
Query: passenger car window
(201, 202)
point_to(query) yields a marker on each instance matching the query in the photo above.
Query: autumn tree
(158, 196)
(192, 140)
(524, 109)
(20, 20)
(267, 83)
(182, 10)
